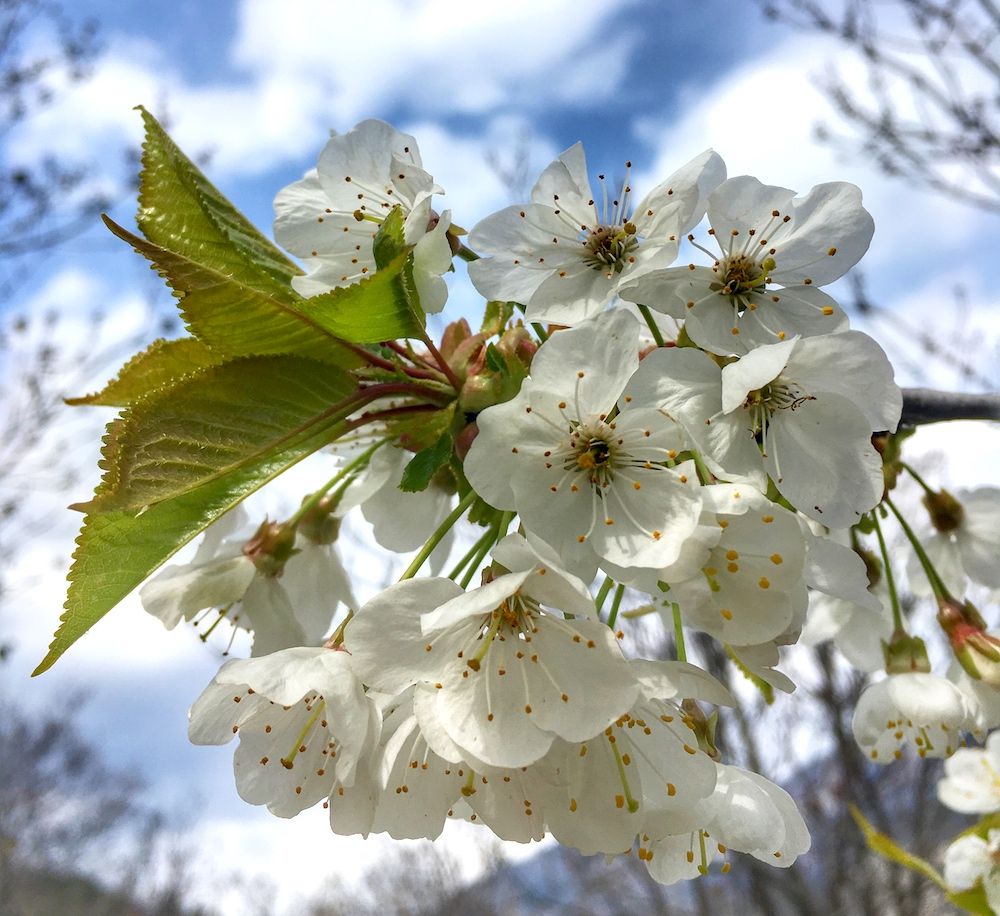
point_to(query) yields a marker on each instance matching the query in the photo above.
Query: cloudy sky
(255, 86)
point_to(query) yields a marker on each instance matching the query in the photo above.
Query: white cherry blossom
(745, 813)
(302, 719)
(565, 254)
(968, 550)
(971, 782)
(589, 481)
(330, 217)
(643, 773)
(402, 788)
(925, 710)
(971, 860)
(751, 586)
(293, 608)
(802, 411)
(510, 677)
(765, 235)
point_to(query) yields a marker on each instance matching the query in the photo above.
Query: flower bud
(976, 650)
(454, 334)
(271, 547)
(945, 511)
(319, 524)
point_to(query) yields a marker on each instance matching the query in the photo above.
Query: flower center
(739, 275)
(609, 248)
(591, 451)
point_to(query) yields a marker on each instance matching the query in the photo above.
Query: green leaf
(234, 316)
(389, 242)
(214, 422)
(887, 847)
(383, 307)
(425, 464)
(116, 551)
(180, 209)
(163, 362)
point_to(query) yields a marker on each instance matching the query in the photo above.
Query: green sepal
(214, 422)
(389, 242)
(496, 316)
(972, 901)
(232, 315)
(180, 209)
(425, 464)
(494, 360)
(163, 362)
(889, 849)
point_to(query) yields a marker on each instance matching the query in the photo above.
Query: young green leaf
(385, 306)
(180, 209)
(214, 422)
(232, 315)
(117, 550)
(425, 464)
(161, 363)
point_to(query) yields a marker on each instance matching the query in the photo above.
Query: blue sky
(258, 84)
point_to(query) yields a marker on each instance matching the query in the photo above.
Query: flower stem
(679, 633)
(487, 536)
(476, 562)
(615, 604)
(920, 480)
(651, 322)
(705, 476)
(602, 594)
(467, 254)
(940, 590)
(314, 498)
(890, 579)
(441, 361)
(438, 535)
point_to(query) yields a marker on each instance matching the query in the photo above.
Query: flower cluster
(694, 442)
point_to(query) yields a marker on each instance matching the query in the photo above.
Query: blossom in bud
(977, 651)
(972, 860)
(963, 542)
(971, 782)
(302, 719)
(497, 371)
(565, 254)
(925, 710)
(767, 237)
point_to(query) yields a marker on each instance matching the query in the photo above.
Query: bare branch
(925, 405)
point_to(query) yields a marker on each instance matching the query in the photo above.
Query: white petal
(821, 459)
(853, 366)
(752, 372)
(179, 592)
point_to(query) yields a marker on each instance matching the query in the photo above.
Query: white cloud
(320, 64)
(760, 117)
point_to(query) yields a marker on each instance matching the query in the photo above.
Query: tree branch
(925, 405)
